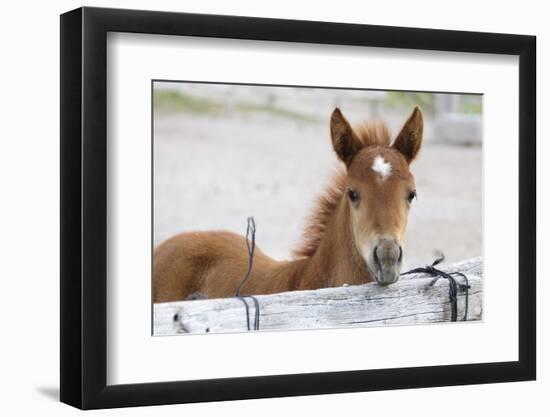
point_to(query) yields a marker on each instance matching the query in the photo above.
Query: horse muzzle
(386, 261)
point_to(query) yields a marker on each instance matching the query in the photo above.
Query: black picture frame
(84, 207)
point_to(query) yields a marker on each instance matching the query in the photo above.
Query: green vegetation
(174, 101)
(426, 101)
(470, 105)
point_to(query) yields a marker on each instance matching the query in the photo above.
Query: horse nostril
(400, 253)
(376, 259)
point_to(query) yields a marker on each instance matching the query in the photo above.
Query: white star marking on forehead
(381, 166)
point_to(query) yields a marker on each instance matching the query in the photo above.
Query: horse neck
(336, 261)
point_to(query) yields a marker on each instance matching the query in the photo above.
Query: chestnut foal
(355, 234)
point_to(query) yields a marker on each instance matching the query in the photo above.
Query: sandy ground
(211, 173)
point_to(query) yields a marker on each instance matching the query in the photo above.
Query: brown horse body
(355, 235)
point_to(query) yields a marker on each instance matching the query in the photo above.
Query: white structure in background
(454, 128)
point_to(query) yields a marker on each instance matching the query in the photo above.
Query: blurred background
(224, 152)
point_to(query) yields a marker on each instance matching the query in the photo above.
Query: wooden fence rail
(412, 300)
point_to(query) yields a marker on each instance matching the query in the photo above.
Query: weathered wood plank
(409, 301)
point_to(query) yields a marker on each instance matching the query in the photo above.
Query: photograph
(293, 207)
(262, 205)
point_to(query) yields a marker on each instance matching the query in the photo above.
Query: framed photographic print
(256, 208)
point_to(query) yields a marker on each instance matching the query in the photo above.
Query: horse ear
(409, 140)
(345, 142)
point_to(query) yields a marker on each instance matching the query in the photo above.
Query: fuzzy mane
(372, 133)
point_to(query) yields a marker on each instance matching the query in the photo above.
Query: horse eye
(353, 196)
(411, 196)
